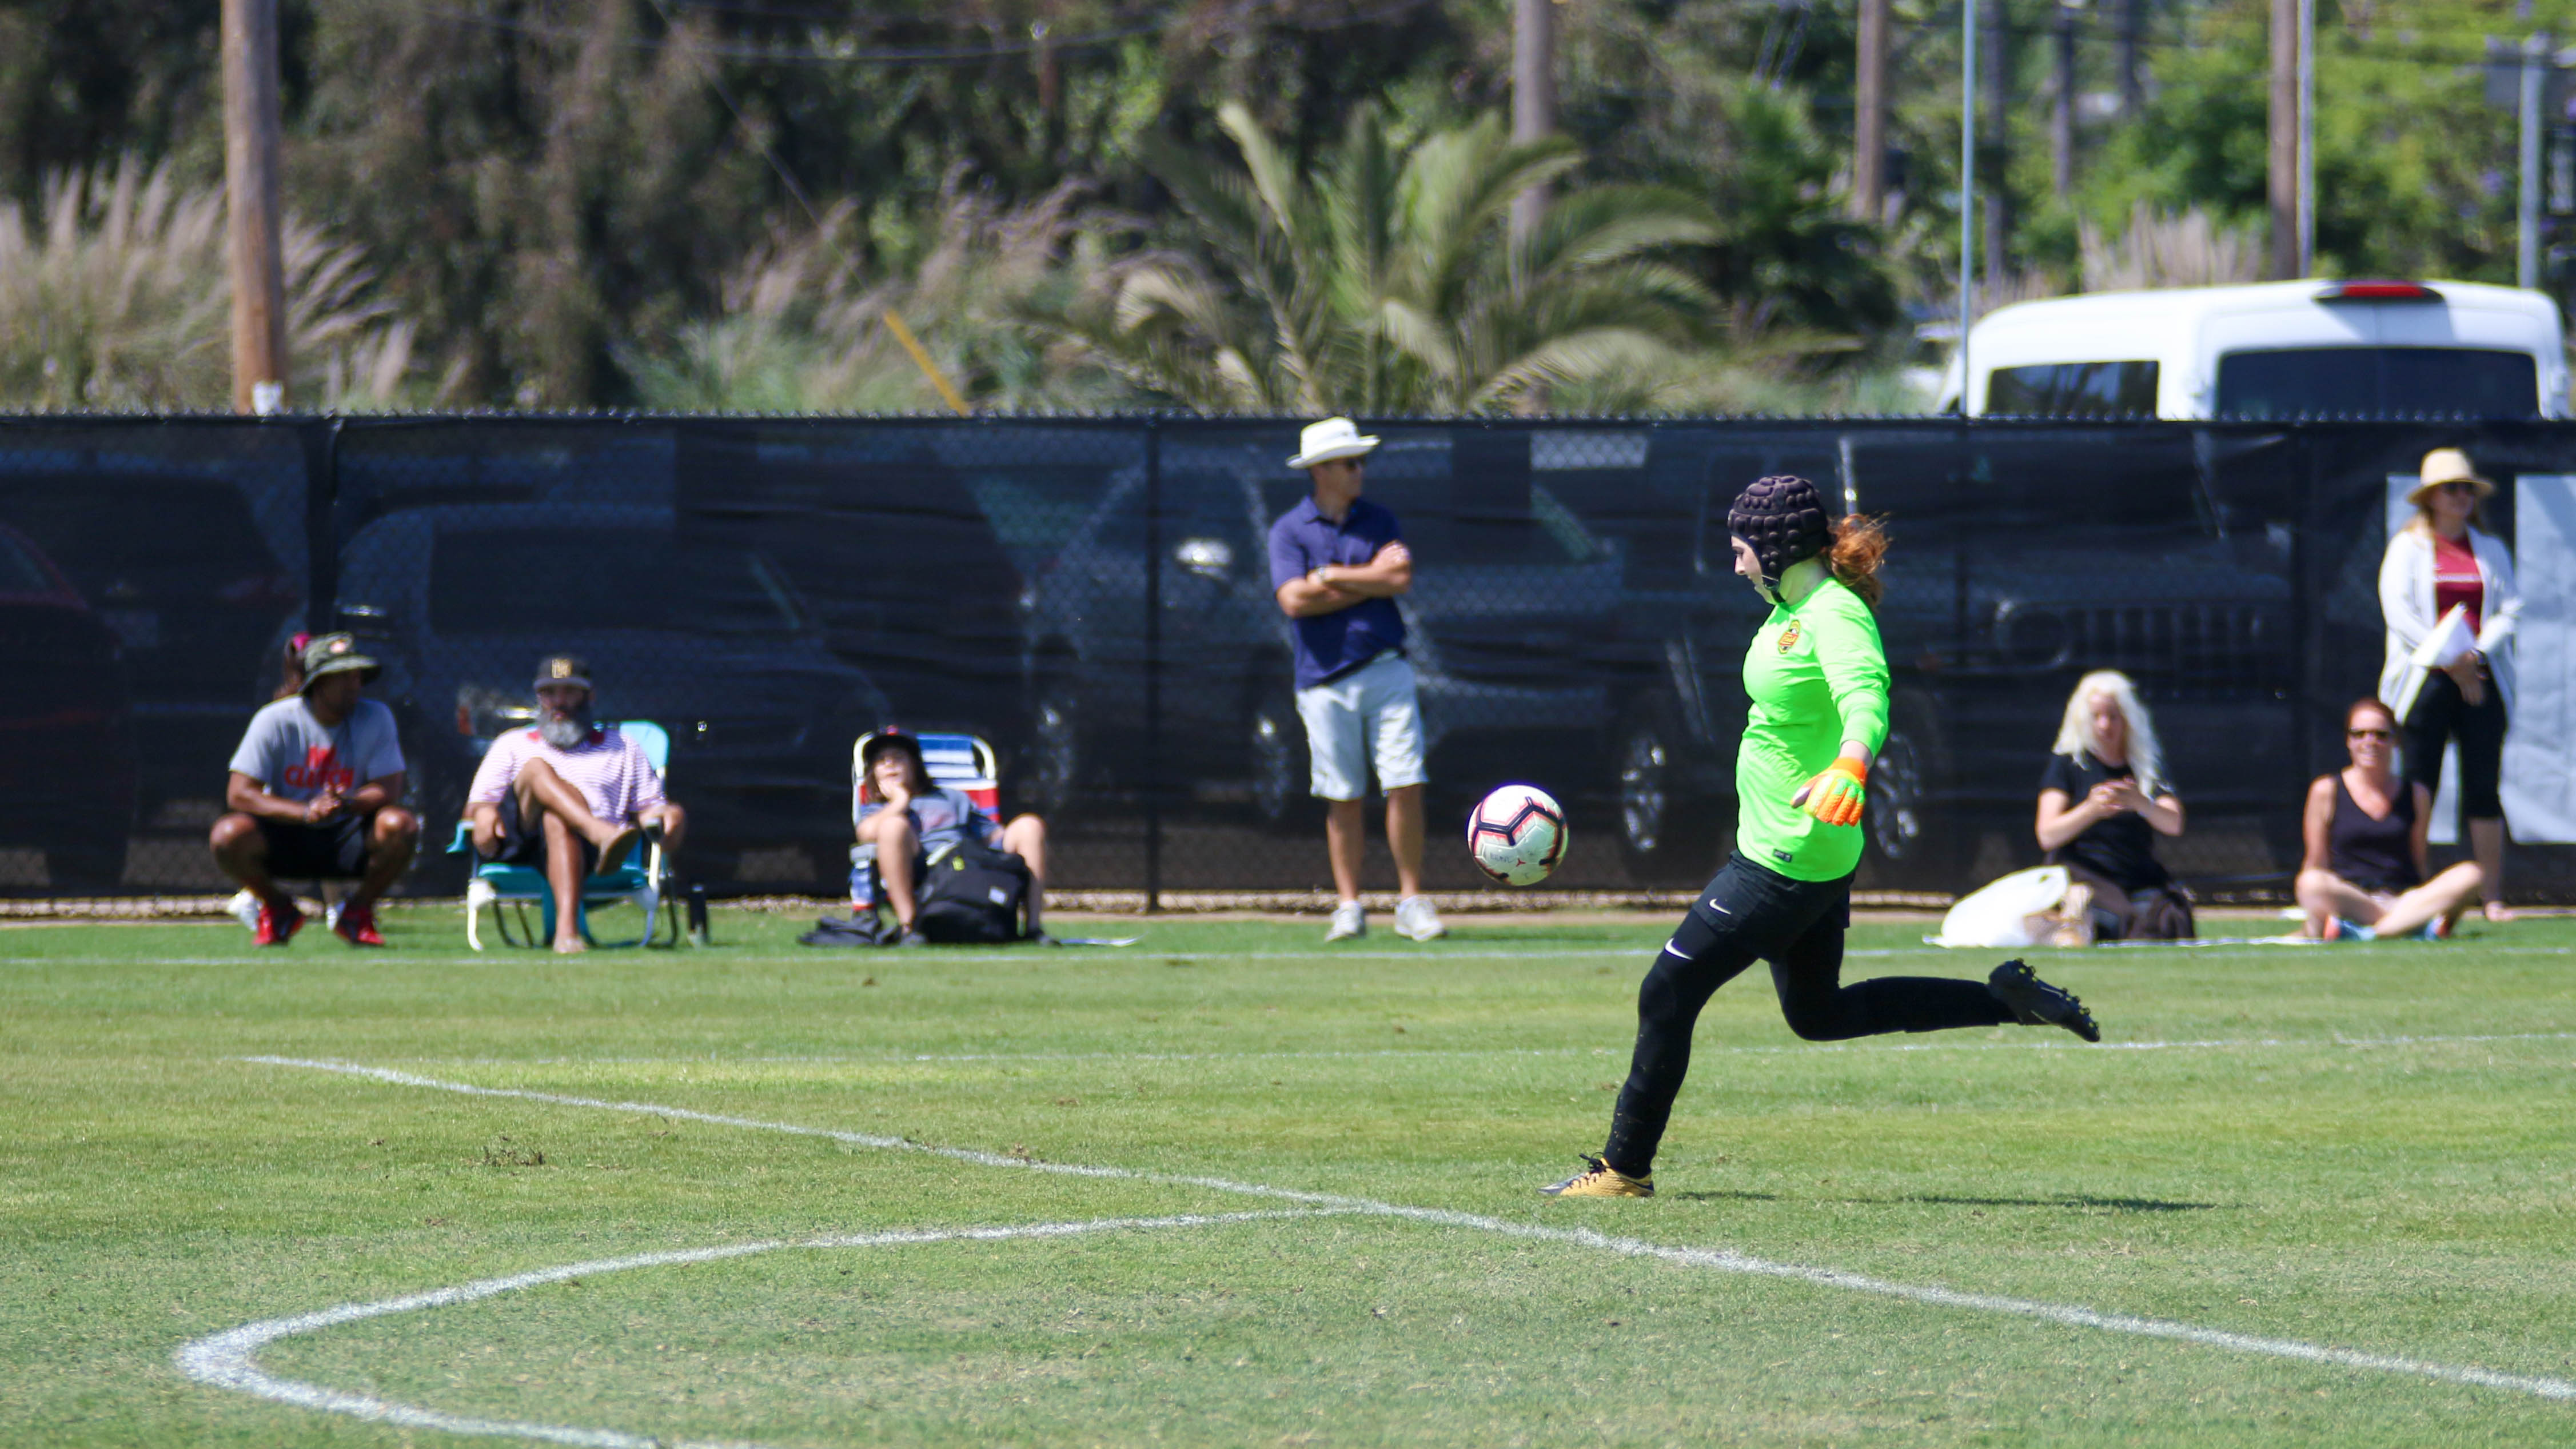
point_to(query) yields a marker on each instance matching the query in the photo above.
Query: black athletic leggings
(2440, 715)
(1751, 913)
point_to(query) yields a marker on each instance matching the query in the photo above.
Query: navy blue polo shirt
(1303, 540)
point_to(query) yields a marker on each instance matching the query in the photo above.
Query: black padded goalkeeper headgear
(1783, 519)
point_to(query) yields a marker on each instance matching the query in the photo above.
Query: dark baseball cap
(562, 669)
(891, 738)
(335, 654)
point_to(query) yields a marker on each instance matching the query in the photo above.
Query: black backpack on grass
(972, 895)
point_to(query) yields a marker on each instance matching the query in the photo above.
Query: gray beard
(563, 731)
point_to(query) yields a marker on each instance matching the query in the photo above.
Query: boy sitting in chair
(909, 819)
(569, 797)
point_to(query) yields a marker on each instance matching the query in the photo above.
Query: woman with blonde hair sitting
(2367, 860)
(2102, 802)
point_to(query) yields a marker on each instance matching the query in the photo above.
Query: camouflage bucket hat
(336, 654)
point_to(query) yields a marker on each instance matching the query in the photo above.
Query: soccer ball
(1517, 834)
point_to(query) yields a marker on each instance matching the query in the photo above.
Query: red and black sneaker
(357, 926)
(276, 927)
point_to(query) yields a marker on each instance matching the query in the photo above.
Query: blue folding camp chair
(960, 762)
(645, 884)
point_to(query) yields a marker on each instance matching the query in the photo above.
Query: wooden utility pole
(2283, 165)
(2133, 91)
(2061, 114)
(251, 225)
(1869, 115)
(1533, 96)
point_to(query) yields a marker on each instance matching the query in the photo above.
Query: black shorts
(519, 845)
(1769, 914)
(336, 849)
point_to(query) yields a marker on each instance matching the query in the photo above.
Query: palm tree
(1389, 284)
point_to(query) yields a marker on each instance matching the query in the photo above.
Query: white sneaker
(244, 908)
(1348, 921)
(1416, 920)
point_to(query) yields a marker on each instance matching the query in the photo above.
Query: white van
(2274, 350)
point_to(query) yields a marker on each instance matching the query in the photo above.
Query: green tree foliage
(1719, 100)
(576, 202)
(2413, 166)
(1385, 283)
(802, 326)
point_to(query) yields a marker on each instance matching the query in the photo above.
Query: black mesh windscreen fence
(1095, 597)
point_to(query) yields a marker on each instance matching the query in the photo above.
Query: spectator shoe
(1415, 920)
(276, 927)
(356, 925)
(1349, 922)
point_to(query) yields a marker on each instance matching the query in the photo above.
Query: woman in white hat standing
(2438, 562)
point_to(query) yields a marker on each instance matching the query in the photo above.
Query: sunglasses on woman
(2370, 734)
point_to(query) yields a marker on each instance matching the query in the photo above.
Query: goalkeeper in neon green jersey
(1818, 679)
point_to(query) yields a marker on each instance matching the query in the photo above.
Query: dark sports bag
(971, 895)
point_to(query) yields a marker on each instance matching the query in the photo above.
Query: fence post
(2309, 688)
(1153, 774)
(321, 532)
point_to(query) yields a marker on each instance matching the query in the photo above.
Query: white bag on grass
(2012, 911)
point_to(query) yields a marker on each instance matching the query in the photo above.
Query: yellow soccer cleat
(1602, 1180)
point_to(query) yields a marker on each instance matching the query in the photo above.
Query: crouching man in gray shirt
(312, 797)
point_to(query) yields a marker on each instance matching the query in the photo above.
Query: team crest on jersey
(1789, 637)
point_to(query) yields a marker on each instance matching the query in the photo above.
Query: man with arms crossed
(312, 795)
(568, 797)
(1337, 563)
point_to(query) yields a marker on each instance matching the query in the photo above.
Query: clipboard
(2451, 640)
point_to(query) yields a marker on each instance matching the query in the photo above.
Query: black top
(2122, 849)
(2374, 853)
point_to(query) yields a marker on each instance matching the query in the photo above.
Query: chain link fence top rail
(1093, 596)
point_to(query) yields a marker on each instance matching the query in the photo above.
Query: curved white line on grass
(2055, 1044)
(230, 1360)
(1723, 1260)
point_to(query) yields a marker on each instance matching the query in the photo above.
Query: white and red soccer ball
(1517, 834)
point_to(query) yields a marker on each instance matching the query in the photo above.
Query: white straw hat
(2447, 465)
(1332, 438)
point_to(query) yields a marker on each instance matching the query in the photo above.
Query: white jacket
(2406, 602)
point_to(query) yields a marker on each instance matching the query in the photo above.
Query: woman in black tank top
(2366, 860)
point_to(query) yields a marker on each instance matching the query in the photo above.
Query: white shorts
(1369, 713)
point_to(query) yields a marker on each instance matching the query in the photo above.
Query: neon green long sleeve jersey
(1818, 676)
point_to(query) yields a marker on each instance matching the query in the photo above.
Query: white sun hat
(1332, 438)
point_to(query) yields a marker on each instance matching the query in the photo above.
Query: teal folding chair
(509, 890)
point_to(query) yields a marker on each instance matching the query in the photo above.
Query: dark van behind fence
(1093, 596)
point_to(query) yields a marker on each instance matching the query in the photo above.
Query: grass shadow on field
(2085, 1201)
(2082, 1202)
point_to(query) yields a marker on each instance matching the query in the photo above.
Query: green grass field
(2364, 1149)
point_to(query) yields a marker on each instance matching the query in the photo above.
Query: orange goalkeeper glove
(1836, 796)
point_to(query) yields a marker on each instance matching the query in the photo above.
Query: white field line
(1453, 951)
(230, 1360)
(2212, 1044)
(1723, 1260)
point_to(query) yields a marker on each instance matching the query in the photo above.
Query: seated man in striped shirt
(568, 797)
